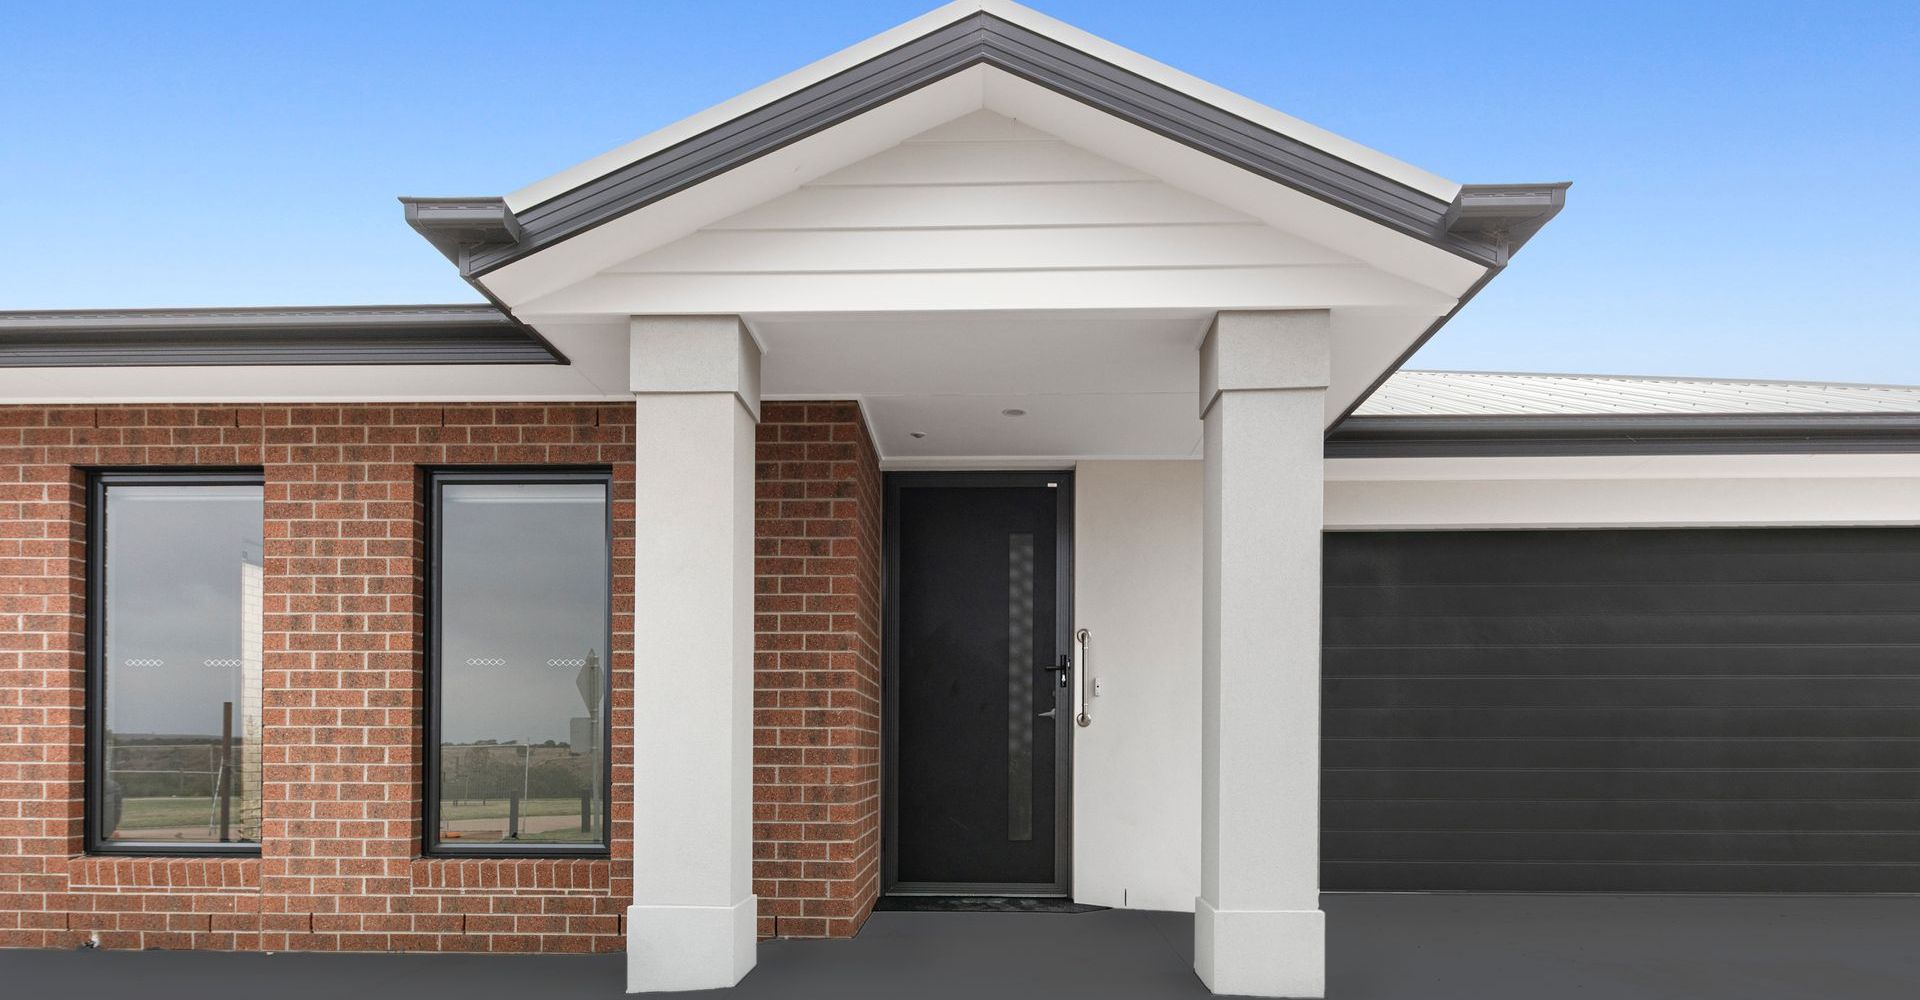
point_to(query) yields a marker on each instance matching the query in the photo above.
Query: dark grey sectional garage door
(1685, 711)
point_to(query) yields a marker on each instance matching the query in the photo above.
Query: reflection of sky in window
(523, 582)
(173, 575)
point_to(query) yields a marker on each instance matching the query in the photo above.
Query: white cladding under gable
(983, 221)
(985, 213)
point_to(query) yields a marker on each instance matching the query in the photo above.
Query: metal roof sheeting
(1423, 393)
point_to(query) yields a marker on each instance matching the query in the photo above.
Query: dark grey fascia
(1623, 434)
(321, 335)
(1484, 224)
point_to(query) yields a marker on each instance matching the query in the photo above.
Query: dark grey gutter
(452, 223)
(321, 335)
(1623, 434)
(1484, 223)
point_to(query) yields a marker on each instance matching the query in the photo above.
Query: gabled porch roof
(1483, 223)
(818, 202)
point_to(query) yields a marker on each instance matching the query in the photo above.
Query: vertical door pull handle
(1082, 637)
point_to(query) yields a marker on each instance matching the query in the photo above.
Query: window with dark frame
(519, 624)
(174, 617)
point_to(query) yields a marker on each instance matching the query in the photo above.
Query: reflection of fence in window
(156, 785)
(153, 770)
(518, 790)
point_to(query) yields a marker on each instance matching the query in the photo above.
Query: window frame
(94, 783)
(430, 843)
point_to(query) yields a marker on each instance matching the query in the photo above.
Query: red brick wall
(816, 810)
(339, 866)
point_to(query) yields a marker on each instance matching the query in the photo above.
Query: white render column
(696, 384)
(1258, 928)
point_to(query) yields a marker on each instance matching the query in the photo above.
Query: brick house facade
(816, 757)
(1130, 303)
(340, 866)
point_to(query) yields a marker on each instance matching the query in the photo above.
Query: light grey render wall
(1137, 768)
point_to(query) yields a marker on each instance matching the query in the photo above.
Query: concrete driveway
(1382, 947)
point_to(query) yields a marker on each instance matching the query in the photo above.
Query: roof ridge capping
(1483, 223)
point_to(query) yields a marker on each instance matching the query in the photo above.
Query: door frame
(1062, 885)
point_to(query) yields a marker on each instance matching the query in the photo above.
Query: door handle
(1084, 638)
(1058, 669)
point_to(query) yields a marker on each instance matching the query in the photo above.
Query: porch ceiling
(1087, 384)
(1092, 383)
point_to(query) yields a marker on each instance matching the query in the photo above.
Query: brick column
(345, 647)
(816, 756)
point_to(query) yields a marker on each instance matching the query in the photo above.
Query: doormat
(982, 904)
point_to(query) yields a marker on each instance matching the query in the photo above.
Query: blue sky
(1744, 174)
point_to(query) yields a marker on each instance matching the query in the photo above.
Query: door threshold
(981, 904)
(1031, 890)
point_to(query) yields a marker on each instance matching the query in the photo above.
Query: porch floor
(1404, 947)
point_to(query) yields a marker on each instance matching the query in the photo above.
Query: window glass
(521, 623)
(179, 665)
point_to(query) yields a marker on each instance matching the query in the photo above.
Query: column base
(689, 947)
(1262, 953)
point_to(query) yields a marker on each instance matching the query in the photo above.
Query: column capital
(1264, 349)
(682, 354)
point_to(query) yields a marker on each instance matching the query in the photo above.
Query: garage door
(1680, 711)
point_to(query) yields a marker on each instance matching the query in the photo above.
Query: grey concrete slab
(1381, 947)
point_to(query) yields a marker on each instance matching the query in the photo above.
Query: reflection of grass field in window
(189, 815)
(571, 835)
(171, 811)
(554, 821)
(497, 809)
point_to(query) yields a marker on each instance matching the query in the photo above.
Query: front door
(978, 705)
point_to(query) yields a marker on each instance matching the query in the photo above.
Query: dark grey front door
(977, 705)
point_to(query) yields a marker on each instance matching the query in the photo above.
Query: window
(519, 623)
(174, 580)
